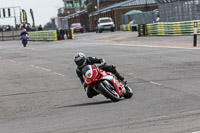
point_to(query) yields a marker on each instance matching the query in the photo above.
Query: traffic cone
(68, 36)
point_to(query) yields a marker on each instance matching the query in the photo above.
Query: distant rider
(24, 37)
(81, 60)
(24, 33)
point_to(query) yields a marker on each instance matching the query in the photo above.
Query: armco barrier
(43, 35)
(10, 35)
(172, 28)
(126, 27)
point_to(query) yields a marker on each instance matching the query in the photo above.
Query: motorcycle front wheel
(108, 91)
(129, 92)
(24, 42)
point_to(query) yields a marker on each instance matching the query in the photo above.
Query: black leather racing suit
(106, 67)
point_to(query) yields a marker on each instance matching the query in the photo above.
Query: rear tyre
(108, 91)
(129, 92)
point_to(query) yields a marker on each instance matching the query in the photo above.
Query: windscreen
(86, 68)
(76, 25)
(105, 20)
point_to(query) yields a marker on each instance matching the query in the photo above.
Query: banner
(24, 16)
(31, 11)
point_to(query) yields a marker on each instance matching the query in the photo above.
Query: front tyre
(129, 92)
(107, 90)
(24, 42)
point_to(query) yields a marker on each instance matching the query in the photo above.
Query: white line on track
(171, 47)
(59, 74)
(130, 73)
(29, 48)
(37, 67)
(151, 46)
(48, 70)
(12, 61)
(155, 83)
(196, 132)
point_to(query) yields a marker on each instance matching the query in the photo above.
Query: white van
(105, 23)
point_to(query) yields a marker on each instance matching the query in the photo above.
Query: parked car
(105, 23)
(133, 25)
(77, 27)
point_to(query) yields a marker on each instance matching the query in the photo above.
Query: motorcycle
(24, 39)
(105, 83)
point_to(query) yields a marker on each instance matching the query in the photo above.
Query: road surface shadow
(85, 104)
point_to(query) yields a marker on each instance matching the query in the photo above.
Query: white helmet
(80, 59)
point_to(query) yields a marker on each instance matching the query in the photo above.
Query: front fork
(118, 90)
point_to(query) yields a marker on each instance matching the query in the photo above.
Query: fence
(179, 10)
(43, 35)
(10, 35)
(125, 27)
(50, 35)
(172, 28)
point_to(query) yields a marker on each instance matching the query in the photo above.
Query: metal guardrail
(51, 35)
(10, 35)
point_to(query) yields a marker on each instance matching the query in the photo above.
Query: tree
(48, 26)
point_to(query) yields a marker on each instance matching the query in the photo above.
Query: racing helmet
(80, 59)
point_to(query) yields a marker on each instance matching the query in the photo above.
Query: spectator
(8, 28)
(28, 27)
(40, 28)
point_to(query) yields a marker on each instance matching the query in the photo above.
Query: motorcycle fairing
(92, 75)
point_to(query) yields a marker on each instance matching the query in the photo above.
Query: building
(71, 7)
(103, 8)
(115, 11)
(94, 5)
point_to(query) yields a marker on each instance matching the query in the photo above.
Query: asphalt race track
(40, 92)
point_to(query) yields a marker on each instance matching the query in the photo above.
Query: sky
(43, 10)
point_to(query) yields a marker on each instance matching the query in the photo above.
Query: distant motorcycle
(105, 83)
(24, 39)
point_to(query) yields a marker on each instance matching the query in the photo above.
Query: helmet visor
(80, 62)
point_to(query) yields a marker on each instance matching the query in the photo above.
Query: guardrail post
(139, 30)
(144, 29)
(2, 35)
(195, 34)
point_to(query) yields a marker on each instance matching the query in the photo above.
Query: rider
(24, 33)
(81, 60)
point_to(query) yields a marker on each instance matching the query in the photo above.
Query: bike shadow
(86, 104)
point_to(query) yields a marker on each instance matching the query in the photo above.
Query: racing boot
(91, 92)
(120, 78)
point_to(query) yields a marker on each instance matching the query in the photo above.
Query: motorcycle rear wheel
(108, 91)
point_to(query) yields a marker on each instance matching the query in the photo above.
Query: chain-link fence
(141, 18)
(179, 10)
